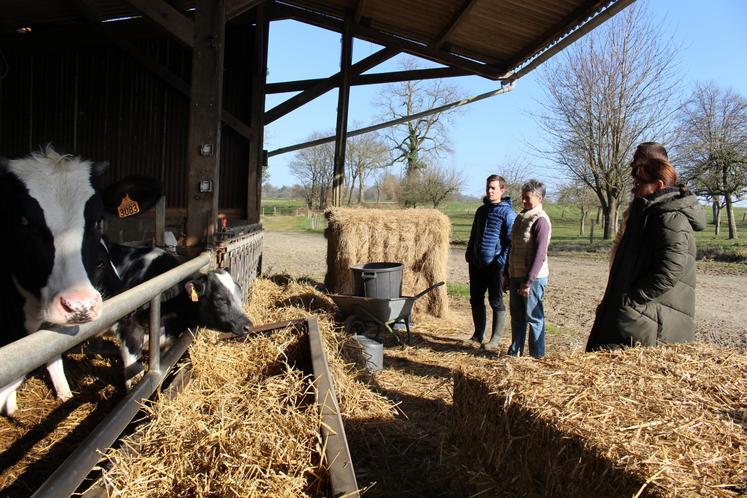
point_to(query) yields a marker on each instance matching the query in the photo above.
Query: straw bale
(246, 424)
(669, 421)
(418, 238)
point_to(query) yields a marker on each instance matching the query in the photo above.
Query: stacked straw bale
(418, 238)
(246, 424)
(668, 421)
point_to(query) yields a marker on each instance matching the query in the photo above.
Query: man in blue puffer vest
(487, 254)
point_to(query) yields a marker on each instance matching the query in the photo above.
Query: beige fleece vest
(523, 246)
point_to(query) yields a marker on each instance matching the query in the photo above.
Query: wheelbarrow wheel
(354, 325)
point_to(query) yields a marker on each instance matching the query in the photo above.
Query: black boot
(499, 318)
(478, 319)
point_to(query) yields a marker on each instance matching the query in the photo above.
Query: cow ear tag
(127, 207)
(193, 294)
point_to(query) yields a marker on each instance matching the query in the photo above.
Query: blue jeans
(527, 311)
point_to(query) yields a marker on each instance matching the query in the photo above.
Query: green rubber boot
(499, 318)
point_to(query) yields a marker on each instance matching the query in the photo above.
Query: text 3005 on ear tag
(127, 207)
(193, 295)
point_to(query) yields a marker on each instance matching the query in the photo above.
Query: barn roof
(498, 39)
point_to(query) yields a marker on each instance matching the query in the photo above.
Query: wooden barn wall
(91, 99)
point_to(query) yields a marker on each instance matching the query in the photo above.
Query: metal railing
(240, 249)
(22, 356)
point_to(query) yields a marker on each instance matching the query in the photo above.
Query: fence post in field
(591, 232)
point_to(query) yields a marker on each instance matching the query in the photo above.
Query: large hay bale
(668, 421)
(418, 238)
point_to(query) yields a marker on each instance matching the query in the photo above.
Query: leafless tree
(387, 186)
(314, 167)
(417, 142)
(580, 195)
(432, 185)
(610, 91)
(713, 148)
(515, 171)
(364, 154)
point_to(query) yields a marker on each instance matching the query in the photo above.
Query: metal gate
(239, 249)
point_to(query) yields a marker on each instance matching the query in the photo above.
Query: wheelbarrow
(360, 311)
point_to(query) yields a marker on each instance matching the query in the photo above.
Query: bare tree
(580, 195)
(363, 155)
(432, 185)
(387, 186)
(713, 148)
(515, 171)
(610, 91)
(415, 142)
(314, 167)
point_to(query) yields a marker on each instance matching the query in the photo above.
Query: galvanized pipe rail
(35, 350)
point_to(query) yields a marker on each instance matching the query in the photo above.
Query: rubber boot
(478, 318)
(499, 318)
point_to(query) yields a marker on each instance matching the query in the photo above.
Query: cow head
(220, 302)
(50, 214)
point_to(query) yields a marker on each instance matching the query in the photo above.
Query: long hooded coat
(650, 296)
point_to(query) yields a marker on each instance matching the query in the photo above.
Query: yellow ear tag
(193, 295)
(127, 207)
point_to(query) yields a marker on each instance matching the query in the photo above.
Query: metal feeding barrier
(21, 357)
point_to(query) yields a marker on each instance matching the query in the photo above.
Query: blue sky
(712, 36)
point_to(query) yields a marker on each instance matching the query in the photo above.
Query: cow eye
(24, 221)
(100, 264)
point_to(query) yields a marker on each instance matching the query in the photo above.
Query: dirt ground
(576, 285)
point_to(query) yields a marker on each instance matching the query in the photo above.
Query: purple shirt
(540, 233)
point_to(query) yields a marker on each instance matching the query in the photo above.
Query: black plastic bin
(381, 280)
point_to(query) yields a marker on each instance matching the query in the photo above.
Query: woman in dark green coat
(650, 296)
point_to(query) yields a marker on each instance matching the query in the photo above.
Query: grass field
(292, 215)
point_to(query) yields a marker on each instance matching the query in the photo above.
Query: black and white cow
(213, 300)
(49, 219)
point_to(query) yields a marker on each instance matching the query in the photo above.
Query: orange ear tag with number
(127, 207)
(193, 295)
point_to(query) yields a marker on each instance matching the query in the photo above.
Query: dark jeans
(488, 279)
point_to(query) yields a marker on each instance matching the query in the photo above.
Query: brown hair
(496, 178)
(651, 163)
(650, 149)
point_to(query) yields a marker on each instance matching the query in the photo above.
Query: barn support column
(346, 58)
(203, 142)
(257, 158)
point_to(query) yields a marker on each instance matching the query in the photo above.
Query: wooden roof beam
(167, 18)
(372, 79)
(287, 11)
(235, 8)
(359, 7)
(327, 84)
(453, 23)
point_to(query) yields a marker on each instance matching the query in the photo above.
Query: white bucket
(373, 352)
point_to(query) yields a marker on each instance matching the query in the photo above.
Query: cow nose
(80, 306)
(248, 329)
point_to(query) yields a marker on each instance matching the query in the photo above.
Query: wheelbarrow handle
(426, 291)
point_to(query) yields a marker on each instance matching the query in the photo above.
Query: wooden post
(257, 156)
(203, 142)
(346, 58)
(160, 221)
